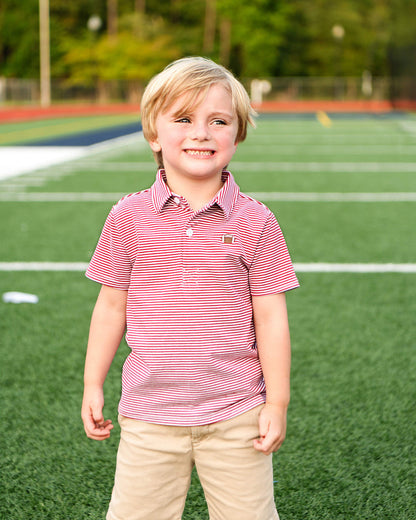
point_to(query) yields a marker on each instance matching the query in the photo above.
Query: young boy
(197, 273)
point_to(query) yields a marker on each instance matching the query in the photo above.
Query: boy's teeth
(199, 152)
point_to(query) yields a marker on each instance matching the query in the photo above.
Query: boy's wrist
(278, 405)
(93, 385)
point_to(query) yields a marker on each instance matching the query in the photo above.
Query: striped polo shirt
(190, 276)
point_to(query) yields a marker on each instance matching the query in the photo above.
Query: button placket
(190, 274)
(189, 230)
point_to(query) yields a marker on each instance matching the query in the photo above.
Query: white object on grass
(19, 297)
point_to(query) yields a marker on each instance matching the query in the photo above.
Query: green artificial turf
(350, 448)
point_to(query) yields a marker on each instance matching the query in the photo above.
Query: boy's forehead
(191, 99)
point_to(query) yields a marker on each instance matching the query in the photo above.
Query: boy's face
(197, 144)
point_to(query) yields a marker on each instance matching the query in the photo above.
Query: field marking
(328, 139)
(318, 267)
(60, 197)
(17, 196)
(325, 167)
(44, 266)
(289, 166)
(100, 166)
(409, 127)
(321, 267)
(334, 149)
(17, 160)
(334, 197)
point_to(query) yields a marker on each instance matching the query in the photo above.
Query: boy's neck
(196, 192)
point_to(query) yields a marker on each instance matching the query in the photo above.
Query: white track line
(17, 196)
(299, 267)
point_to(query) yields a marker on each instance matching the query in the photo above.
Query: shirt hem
(222, 415)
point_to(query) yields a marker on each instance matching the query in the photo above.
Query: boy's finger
(264, 425)
(265, 444)
(269, 443)
(107, 425)
(99, 432)
(97, 415)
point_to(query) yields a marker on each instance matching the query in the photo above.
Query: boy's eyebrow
(222, 113)
(187, 111)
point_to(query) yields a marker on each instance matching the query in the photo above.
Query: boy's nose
(200, 131)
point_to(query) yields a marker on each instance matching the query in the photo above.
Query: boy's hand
(92, 415)
(272, 429)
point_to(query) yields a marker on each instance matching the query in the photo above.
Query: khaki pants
(154, 465)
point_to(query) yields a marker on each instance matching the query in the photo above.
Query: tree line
(98, 40)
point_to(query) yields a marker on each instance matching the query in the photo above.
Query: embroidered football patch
(228, 239)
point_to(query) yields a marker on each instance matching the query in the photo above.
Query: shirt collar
(225, 198)
(160, 191)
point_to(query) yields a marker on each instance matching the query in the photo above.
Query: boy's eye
(220, 122)
(183, 120)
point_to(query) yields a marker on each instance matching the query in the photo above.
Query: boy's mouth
(199, 153)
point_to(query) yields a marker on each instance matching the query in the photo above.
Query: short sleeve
(271, 270)
(110, 264)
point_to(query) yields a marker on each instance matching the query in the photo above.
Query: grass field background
(350, 451)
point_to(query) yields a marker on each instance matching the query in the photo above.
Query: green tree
(19, 38)
(256, 31)
(313, 48)
(255, 38)
(141, 48)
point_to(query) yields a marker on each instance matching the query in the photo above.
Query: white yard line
(43, 266)
(235, 166)
(346, 140)
(17, 160)
(409, 127)
(334, 197)
(59, 197)
(20, 196)
(320, 267)
(317, 267)
(332, 149)
(324, 167)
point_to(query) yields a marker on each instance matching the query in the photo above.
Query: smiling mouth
(200, 153)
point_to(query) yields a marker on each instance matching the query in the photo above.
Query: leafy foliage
(255, 38)
(138, 52)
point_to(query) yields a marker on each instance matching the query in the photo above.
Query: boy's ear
(154, 145)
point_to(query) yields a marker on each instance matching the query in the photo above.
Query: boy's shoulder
(252, 206)
(130, 200)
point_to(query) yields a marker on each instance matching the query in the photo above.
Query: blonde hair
(191, 77)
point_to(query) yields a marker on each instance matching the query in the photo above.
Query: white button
(176, 200)
(189, 232)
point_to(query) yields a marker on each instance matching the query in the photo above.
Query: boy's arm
(108, 324)
(273, 343)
